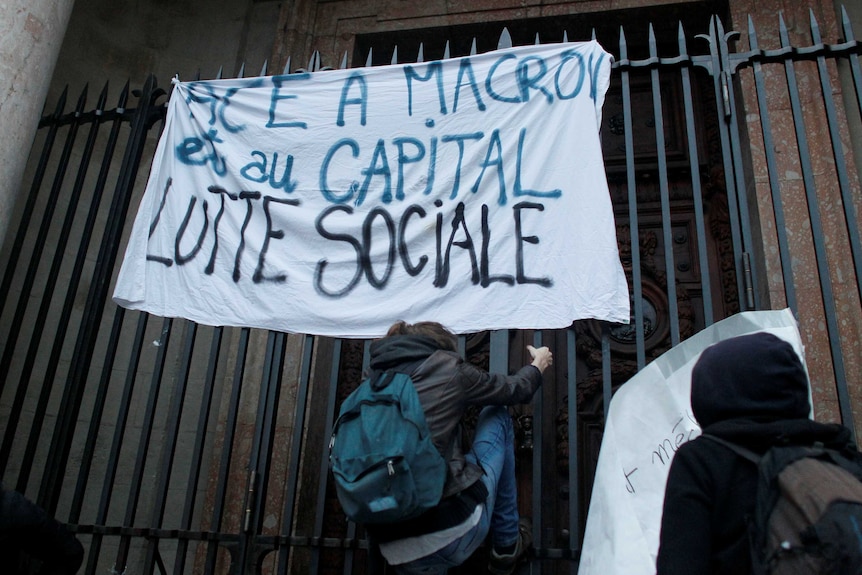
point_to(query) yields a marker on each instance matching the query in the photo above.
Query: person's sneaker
(505, 564)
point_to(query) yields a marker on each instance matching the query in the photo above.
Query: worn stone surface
(30, 36)
(805, 164)
(124, 40)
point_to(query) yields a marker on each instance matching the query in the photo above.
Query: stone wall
(119, 40)
(791, 180)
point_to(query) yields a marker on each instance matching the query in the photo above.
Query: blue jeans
(494, 451)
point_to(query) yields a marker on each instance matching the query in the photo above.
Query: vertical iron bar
(498, 362)
(117, 441)
(637, 283)
(144, 442)
(772, 173)
(200, 440)
(323, 472)
(227, 448)
(607, 384)
(68, 306)
(248, 526)
(96, 418)
(737, 173)
(696, 193)
(63, 239)
(817, 236)
(24, 300)
(296, 449)
(538, 471)
(270, 420)
(261, 448)
(169, 442)
(53, 122)
(722, 89)
(61, 442)
(572, 428)
(351, 526)
(666, 223)
(840, 160)
(853, 59)
(34, 436)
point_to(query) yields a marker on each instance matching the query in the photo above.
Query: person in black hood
(753, 391)
(33, 542)
(480, 494)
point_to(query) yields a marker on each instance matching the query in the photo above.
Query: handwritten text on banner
(469, 191)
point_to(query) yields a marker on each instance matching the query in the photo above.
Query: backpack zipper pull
(391, 467)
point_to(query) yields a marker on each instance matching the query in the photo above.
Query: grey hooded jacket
(446, 386)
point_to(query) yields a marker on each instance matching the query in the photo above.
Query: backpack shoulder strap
(743, 452)
(757, 519)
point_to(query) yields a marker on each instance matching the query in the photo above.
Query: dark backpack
(381, 454)
(808, 512)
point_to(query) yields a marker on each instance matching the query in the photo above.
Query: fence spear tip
(263, 68)
(82, 98)
(653, 45)
(782, 30)
(752, 34)
(815, 27)
(124, 96)
(103, 98)
(845, 24)
(681, 41)
(61, 102)
(505, 40)
(624, 49)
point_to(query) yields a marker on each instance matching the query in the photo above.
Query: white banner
(649, 418)
(468, 191)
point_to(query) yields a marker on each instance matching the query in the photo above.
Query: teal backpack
(384, 462)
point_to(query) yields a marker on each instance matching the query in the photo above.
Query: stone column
(31, 32)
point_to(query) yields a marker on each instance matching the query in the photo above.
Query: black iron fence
(177, 448)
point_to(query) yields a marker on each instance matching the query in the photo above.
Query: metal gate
(171, 447)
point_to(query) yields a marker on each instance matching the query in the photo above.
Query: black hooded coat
(29, 533)
(751, 390)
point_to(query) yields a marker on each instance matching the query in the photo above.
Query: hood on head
(756, 376)
(397, 350)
